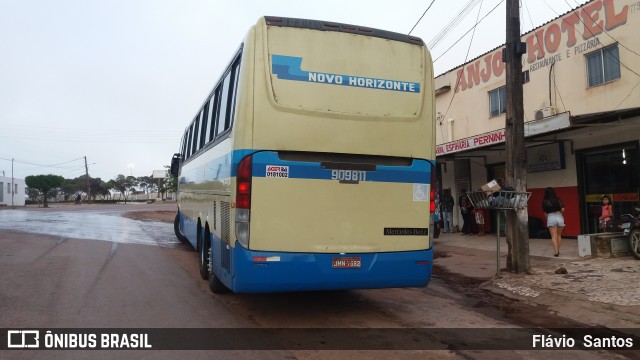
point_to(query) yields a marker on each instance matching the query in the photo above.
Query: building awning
(532, 128)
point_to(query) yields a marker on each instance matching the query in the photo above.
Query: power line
(40, 165)
(603, 30)
(524, 2)
(617, 59)
(465, 58)
(455, 21)
(110, 141)
(468, 31)
(429, 7)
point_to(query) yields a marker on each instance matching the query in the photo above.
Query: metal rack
(499, 200)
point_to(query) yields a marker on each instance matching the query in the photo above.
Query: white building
(12, 191)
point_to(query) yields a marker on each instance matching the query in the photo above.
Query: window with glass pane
(603, 65)
(498, 101)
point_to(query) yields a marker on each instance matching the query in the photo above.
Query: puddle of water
(91, 226)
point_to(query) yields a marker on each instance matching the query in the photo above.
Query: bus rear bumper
(261, 271)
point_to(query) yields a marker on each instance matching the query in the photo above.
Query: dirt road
(55, 281)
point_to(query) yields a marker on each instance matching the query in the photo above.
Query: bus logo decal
(277, 171)
(290, 68)
(406, 232)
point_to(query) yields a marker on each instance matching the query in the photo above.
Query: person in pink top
(607, 212)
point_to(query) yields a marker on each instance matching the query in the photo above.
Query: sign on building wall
(545, 157)
(553, 123)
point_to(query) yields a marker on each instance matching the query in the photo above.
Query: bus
(309, 165)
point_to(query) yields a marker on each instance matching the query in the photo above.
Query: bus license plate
(346, 262)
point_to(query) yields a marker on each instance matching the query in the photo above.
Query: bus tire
(176, 229)
(203, 258)
(216, 286)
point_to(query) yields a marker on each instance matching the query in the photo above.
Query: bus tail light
(243, 200)
(432, 204)
(432, 192)
(243, 180)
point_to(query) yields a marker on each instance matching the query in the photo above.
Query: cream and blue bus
(309, 166)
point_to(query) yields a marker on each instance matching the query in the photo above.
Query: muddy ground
(521, 313)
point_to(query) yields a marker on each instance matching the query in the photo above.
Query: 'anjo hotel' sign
(576, 32)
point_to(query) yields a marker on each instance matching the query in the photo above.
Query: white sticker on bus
(277, 171)
(420, 192)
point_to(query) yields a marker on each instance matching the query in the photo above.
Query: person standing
(447, 203)
(607, 212)
(553, 210)
(466, 209)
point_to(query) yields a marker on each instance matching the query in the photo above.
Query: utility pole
(86, 168)
(13, 187)
(516, 162)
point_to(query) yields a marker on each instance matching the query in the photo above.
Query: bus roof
(339, 27)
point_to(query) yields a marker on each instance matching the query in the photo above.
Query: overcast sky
(117, 81)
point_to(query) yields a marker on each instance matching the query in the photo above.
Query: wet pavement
(105, 224)
(603, 286)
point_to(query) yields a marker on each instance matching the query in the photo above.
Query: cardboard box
(491, 186)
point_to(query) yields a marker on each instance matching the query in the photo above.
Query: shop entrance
(610, 170)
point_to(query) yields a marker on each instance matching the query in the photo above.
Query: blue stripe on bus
(225, 167)
(418, 172)
(308, 271)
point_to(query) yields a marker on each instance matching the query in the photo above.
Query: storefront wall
(557, 70)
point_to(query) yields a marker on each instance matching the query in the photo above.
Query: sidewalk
(595, 291)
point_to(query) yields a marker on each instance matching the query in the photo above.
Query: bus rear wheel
(203, 259)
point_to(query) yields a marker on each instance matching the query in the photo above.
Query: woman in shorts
(553, 210)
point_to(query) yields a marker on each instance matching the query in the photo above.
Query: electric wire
(468, 31)
(455, 21)
(40, 165)
(465, 59)
(524, 2)
(615, 57)
(414, 26)
(603, 30)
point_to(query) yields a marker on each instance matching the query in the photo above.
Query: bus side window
(183, 146)
(204, 134)
(214, 113)
(236, 75)
(189, 141)
(196, 127)
(223, 118)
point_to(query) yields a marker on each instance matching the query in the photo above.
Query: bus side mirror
(175, 165)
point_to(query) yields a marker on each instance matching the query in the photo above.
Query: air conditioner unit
(545, 112)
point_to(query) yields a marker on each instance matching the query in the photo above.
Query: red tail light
(243, 180)
(432, 193)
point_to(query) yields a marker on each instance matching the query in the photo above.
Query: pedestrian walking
(553, 211)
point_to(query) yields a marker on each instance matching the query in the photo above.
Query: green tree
(123, 184)
(70, 186)
(170, 183)
(98, 188)
(44, 183)
(120, 185)
(146, 183)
